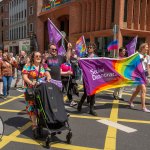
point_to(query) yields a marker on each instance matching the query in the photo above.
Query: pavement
(117, 127)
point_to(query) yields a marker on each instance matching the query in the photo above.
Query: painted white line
(117, 126)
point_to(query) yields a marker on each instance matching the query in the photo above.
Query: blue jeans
(6, 84)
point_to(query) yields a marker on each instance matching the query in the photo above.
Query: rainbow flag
(57, 2)
(47, 7)
(100, 74)
(81, 47)
(113, 45)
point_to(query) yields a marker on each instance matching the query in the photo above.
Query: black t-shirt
(54, 64)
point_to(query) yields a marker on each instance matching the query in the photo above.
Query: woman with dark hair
(118, 91)
(6, 73)
(30, 74)
(91, 98)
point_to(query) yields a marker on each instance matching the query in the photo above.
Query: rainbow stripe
(57, 2)
(81, 47)
(113, 45)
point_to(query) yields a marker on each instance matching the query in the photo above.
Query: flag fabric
(113, 45)
(105, 73)
(81, 47)
(61, 50)
(131, 47)
(47, 7)
(57, 2)
(54, 34)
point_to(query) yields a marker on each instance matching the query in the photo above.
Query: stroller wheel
(40, 132)
(68, 137)
(47, 142)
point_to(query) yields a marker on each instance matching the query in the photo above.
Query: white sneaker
(20, 90)
(131, 105)
(146, 110)
(73, 103)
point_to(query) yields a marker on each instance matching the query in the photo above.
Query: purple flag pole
(131, 47)
(54, 34)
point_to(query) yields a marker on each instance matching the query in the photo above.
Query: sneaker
(20, 90)
(131, 105)
(92, 112)
(79, 107)
(4, 97)
(146, 110)
(73, 103)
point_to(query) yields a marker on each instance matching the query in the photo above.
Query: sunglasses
(38, 56)
(90, 47)
(53, 49)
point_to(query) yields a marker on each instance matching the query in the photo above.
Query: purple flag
(54, 34)
(61, 50)
(100, 74)
(131, 47)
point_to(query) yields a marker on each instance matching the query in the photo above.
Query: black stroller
(51, 112)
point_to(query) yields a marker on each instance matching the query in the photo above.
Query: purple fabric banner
(54, 34)
(61, 50)
(131, 47)
(104, 73)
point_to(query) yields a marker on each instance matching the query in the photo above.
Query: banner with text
(105, 73)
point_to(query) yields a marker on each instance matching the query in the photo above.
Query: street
(89, 133)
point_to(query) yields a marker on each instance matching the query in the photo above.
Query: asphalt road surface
(117, 127)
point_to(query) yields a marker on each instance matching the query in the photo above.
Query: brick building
(95, 19)
(4, 23)
(17, 24)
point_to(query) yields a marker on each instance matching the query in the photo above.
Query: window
(2, 9)
(125, 10)
(113, 11)
(25, 13)
(2, 23)
(31, 10)
(25, 31)
(31, 27)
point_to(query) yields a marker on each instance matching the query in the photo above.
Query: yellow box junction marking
(12, 99)
(110, 142)
(53, 145)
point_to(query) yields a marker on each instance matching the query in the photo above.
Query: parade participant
(145, 63)
(54, 61)
(1, 81)
(22, 60)
(30, 73)
(6, 73)
(118, 91)
(68, 78)
(90, 99)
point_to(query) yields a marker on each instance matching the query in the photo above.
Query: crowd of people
(62, 69)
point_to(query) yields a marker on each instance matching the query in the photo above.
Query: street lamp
(115, 31)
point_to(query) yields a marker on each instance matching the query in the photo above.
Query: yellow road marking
(110, 142)
(6, 140)
(87, 117)
(10, 110)
(134, 121)
(12, 99)
(37, 142)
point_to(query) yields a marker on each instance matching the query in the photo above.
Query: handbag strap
(38, 73)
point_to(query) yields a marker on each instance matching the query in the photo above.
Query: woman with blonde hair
(145, 59)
